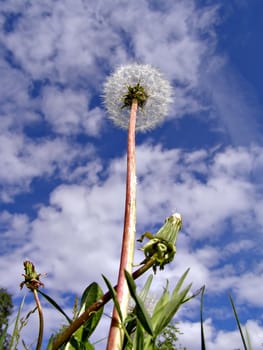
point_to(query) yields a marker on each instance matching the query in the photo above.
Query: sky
(63, 162)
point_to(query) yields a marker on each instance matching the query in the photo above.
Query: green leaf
(195, 294)
(2, 338)
(164, 299)
(89, 346)
(113, 295)
(139, 337)
(24, 345)
(56, 306)
(180, 282)
(238, 323)
(50, 343)
(167, 307)
(79, 339)
(203, 346)
(16, 334)
(74, 344)
(146, 288)
(91, 294)
(131, 323)
(141, 311)
(166, 315)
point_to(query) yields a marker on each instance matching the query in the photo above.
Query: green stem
(41, 320)
(89, 312)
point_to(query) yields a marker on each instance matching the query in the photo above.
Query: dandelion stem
(128, 240)
(41, 320)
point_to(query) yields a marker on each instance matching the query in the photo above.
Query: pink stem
(115, 338)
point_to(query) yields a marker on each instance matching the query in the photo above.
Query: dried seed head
(140, 82)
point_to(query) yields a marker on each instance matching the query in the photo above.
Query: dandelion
(156, 90)
(136, 97)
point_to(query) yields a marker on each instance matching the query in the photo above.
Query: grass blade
(113, 295)
(2, 338)
(141, 311)
(56, 306)
(146, 288)
(203, 346)
(180, 282)
(15, 335)
(238, 323)
(248, 340)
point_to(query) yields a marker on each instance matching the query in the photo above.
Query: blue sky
(62, 174)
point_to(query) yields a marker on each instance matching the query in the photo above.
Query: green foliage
(92, 293)
(80, 339)
(168, 339)
(4, 338)
(6, 307)
(19, 324)
(167, 305)
(144, 330)
(140, 310)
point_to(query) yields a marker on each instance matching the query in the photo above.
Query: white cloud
(81, 227)
(218, 340)
(23, 160)
(205, 191)
(82, 221)
(68, 33)
(249, 287)
(14, 228)
(15, 107)
(67, 111)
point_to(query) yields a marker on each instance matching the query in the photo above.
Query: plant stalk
(115, 338)
(41, 320)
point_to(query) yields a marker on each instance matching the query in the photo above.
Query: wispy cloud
(235, 104)
(23, 160)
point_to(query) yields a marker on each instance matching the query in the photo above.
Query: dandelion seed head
(157, 89)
